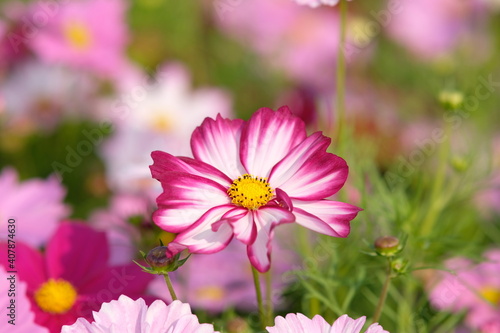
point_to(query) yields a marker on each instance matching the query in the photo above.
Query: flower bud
(459, 164)
(159, 257)
(399, 265)
(451, 99)
(162, 259)
(387, 246)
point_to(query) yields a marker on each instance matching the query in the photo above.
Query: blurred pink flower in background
(433, 28)
(85, 34)
(158, 115)
(223, 280)
(40, 96)
(22, 317)
(317, 3)
(298, 323)
(36, 205)
(475, 288)
(129, 316)
(13, 48)
(299, 41)
(246, 178)
(122, 235)
(72, 278)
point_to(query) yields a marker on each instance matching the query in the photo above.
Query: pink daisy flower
(72, 278)
(474, 288)
(126, 315)
(298, 323)
(36, 205)
(76, 36)
(246, 178)
(22, 320)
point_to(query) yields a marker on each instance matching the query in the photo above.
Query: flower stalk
(170, 287)
(383, 293)
(258, 292)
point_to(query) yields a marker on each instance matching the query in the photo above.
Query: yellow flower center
(161, 123)
(78, 35)
(250, 192)
(491, 294)
(212, 293)
(56, 296)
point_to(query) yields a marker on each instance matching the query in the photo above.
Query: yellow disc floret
(56, 296)
(492, 295)
(250, 192)
(78, 35)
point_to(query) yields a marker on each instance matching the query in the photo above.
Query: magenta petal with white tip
(324, 216)
(267, 138)
(216, 142)
(266, 219)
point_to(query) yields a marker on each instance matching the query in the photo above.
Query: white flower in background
(155, 115)
(37, 95)
(317, 3)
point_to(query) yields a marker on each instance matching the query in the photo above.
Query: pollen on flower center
(250, 192)
(56, 296)
(492, 295)
(78, 35)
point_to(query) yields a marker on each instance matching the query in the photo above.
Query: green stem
(341, 72)
(269, 298)
(436, 201)
(170, 287)
(383, 294)
(258, 291)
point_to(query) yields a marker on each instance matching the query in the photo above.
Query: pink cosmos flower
(246, 178)
(129, 316)
(76, 36)
(22, 318)
(72, 278)
(475, 288)
(432, 28)
(35, 204)
(300, 42)
(298, 323)
(155, 115)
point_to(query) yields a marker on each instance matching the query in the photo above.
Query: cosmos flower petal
(216, 142)
(241, 220)
(164, 163)
(185, 199)
(92, 261)
(298, 323)
(345, 324)
(268, 137)
(265, 219)
(127, 315)
(308, 172)
(201, 238)
(35, 274)
(376, 328)
(324, 216)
